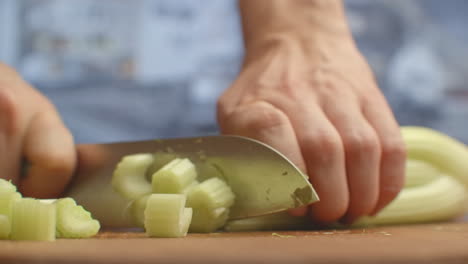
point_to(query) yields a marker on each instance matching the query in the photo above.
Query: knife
(263, 180)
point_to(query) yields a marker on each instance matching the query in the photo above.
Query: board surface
(431, 243)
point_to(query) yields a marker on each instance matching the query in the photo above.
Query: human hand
(317, 102)
(31, 129)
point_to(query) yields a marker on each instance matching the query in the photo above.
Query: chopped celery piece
(6, 186)
(5, 227)
(207, 221)
(419, 173)
(33, 220)
(276, 221)
(129, 178)
(441, 199)
(73, 221)
(189, 188)
(7, 200)
(211, 194)
(174, 177)
(160, 159)
(210, 201)
(138, 210)
(166, 215)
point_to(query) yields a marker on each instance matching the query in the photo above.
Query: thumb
(49, 149)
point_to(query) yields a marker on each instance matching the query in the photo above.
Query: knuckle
(323, 145)
(260, 116)
(60, 163)
(361, 143)
(394, 148)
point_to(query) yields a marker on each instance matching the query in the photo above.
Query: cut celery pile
(33, 220)
(129, 178)
(166, 215)
(44, 220)
(174, 177)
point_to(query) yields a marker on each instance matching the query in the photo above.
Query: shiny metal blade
(263, 180)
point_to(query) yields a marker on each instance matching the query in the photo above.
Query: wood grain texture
(432, 243)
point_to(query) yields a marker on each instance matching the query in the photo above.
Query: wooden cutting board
(432, 243)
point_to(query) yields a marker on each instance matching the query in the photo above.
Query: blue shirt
(128, 70)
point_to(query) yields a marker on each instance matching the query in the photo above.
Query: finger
(393, 152)
(9, 139)
(323, 153)
(50, 151)
(362, 154)
(264, 122)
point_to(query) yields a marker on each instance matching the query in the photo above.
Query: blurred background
(141, 69)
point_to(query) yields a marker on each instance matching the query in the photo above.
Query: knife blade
(263, 180)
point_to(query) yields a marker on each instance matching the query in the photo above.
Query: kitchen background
(126, 70)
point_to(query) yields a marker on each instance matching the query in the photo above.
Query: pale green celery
(174, 177)
(138, 210)
(275, 221)
(446, 154)
(33, 220)
(160, 159)
(419, 173)
(210, 201)
(5, 227)
(208, 220)
(73, 221)
(211, 194)
(166, 215)
(129, 178)
(7, 186)
(442, 199)
(189, 188)
(7, 200)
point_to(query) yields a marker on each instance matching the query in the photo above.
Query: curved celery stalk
(419, 173)
(129, 178)
(174, 177)
(73, 221)
(446, 154)
(166, 215)
(5, 227)
(33, 220)
(7, 186)
(441, 199)
(276, 221)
